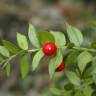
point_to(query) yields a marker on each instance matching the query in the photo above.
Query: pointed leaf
(8, 70)
(45, 37)
(83, 59)
(73, 78)
(75, 36)
(4, 51)
(33, 36)
(36, 59)
(71, 57)
(11, 47)
(22, 41)
(24, 67)
(59, 38)
(55, 62)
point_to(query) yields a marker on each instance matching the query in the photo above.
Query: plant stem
(10, 58)
(32, 50)
(84, 49)
(15, 55)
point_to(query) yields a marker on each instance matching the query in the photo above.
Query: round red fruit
(60, 67)
(49, 48)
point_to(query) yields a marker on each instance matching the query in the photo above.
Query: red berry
(60, 67)
(49, 48)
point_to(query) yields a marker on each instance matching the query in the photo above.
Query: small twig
(15, 55)
(10, 58)
(32, 50)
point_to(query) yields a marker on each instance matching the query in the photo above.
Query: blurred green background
(45, 15)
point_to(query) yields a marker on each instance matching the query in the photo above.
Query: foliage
(83, 74)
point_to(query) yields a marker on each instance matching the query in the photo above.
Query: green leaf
(93, 45)
(77, 93)
(59, 38)
(11, 47)
(87, 91)
(57, 92)
(24, 66)
(75, 36)
(94, 66)
(71, 57)
(22, 41)
(1, 59)
(55, 62)
(33, 36)
(4, 51)
(73, 78)
(8, 70)
(83, 59)
(45, 37)
(94, 78)
(36, 59)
